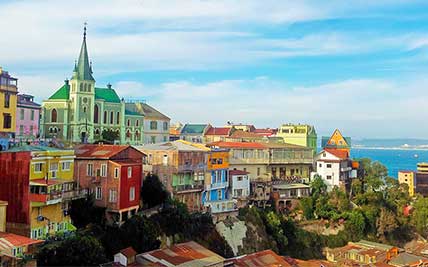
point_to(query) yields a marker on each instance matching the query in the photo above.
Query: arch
(137, 135)
(137, 122)
(97, 131)
(84, 109)
(128, 123)
(118, 117)
(85, 87)
(89, 87)
(54, 115)
(81, 87)
(128, 133)
(96, 114)
(111, 117)
(105, 117)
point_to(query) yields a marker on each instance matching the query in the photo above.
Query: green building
(80, 111)
(299, 134)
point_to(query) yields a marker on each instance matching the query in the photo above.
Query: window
(89, 87)
(116, 172)
(137, 122)
(258, 171)
(54, 115)
(117, 118)
(165, 126)
(32, 115)
(21, 113)
(38, 167)
(219, 194)
(7, 121)
(103, 170)
(31, 130)
(320, 165)
(6, 100)
(153, 125)
(98, 193)
(105, 117)
(131, 193)
(329, 166)
(96, 114)
(153, 139)
(128, 122)
(239, 178)
(245, 169)
(328, 177)
(112, 197)
(164, 138)
(81, 87)
(111, 117)
(53, 167)
(21, 129)
(129, 172)
(90, 169)
(65, 166)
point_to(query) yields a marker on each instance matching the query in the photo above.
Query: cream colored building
(408, 177)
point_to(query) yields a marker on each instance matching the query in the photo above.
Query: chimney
(66, 81)
(109, 86)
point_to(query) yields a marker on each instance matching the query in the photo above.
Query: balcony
(187, 188)
(217, 185)
(147, 167)
(346, 169)
(220, 206)
(192, 168)
(58, 197)
(236, 160)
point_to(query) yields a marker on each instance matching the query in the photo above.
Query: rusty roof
(249, 145)
(100, 151)
(265, 258)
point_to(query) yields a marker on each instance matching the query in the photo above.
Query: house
(241, 126)
(14, 248)
(125, 257)
(299, 134)
(38, 184)
(113, 174)
(265, 258)
(3, 209)
(27, 119)
(409, 178)
(405, 259)
(174, 131)
(336, 141)
(286, 195)
(156, 124)
(8, 101)
(217, 197)
(194, 132)
(214, 134)
(244, 136)
(183, 254)
(180, 165)
(240, 186)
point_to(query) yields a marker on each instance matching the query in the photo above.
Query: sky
(360, 66)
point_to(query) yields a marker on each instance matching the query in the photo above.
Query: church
(81, 112)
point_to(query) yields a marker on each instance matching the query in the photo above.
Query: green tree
(420, 215)
(355, 224)
(374, 174)
(153, 192)
(83, 212)
(110, 135)
(386, 224)
(140, 233)
(307, 206)
(318, 187)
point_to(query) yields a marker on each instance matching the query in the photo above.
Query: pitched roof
(179, 145)
(144, 109)
(128, 252)
(194, 128)
(238, 172)
(83, 70)
(249, 145)
(184, 254)
(244, 134)
(265, 258)
(107, 94)
(218, 131)
(99, 151)
(266, 131)
(341, 154)
(63, 93)
(9, 240)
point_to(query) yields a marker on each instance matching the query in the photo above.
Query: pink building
(27, 118)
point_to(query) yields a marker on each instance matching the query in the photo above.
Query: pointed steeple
(84, 71)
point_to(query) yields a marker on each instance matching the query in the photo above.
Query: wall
(160, 134)
(27, 122)
(126, 183)
(11, 110)
(54, 213)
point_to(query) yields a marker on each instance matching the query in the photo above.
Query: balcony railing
(220, 206)
(184, 188)
(217, 185)
(57, 197)
(291, 161)
(191, 168)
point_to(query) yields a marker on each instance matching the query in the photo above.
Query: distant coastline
(420, 148)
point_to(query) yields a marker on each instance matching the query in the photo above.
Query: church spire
(84, 71)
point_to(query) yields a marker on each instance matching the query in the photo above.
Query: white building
(334, 167)
(240, 183)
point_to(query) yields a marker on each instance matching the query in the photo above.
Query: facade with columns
(79, 111)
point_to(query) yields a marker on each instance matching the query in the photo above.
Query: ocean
(394, 159)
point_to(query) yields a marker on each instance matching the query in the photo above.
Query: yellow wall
(407, 178)
(3, 207)
(11, 110)
(53, 212)
(52, 157)
(224, 155)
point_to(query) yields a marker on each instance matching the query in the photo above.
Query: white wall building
(240, 183)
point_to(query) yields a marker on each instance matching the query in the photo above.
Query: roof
(9, 240)
(29, 148)
(244, 145)
(218, 131)
(129, 252)
(404, 259)
(369, 244)
(406, 171)
(341, 154)
(244, 134)
(265, 258)
(194, 128)
(83, 70)
(189, 254)
(179, 145)
(285, 145)
(107, 94)
(99, 151)
(132, 113)
(238, 172)
(23, 102)
(144, 109)
(63, 93)
(290, 186)
(265, 131)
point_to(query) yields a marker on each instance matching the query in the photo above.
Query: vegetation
(153, 192)
(110, 135)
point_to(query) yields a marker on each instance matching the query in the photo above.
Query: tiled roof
(99, 151)
(129, 252)
(249, 145)
(63, 93)
(107, 94)
(218, 131)
(266, 131)
(30, 148)
(179, 145)
(244, 134)
(184, 254)
(144, 109)
(341, 154)
(9, 240)
(238, 172)
(265, 258)
(193, 128)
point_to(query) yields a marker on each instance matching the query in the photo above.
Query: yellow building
(408, 177)
(3, 208)
(8, 100)
(299, 134)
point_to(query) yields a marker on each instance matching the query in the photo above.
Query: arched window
(54, 115)
(111, 117)
(128, 122)
(137, 135)
(96, 114)
(84, 109)
(105, 117)
(81, 87)
(97, 132)
(117, 117)
(85, 86)
(128, 134)
(89, 87)
(137, 122)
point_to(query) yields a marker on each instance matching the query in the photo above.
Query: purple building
(27, 118)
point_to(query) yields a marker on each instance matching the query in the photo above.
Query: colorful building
(181, 166)
(3, 209)
(409, 178)
(27, 118)
(113, 174)
(241, 126)
(38, 184)
(336, 141)
(8, 99)
(16, 250)
(214, 134)
(194, 132)
(286, 195)
(299, 134)
(80, 112)
(239, 186)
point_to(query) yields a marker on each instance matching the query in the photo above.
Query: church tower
(82, 98)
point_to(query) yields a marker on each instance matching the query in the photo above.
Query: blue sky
(355, 65)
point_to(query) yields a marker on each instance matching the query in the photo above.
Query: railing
(183, 188)
(191, 168)
(235, 160)
(217, 185)
(345, 169)
(221, 206)
(57, 197)
(291, 161)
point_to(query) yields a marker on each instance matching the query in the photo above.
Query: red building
(113, 174)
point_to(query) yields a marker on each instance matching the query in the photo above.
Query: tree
(374, 174)
(83, 212)
(76, 250)
(420, 215)
(140, 233)
(110, 135)
(386, 224)
(307, 206)
(153, 192)
(318, 187)
(355, 224)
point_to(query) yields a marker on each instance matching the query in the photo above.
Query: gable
(63, 93)
(337, 139)
(107, 94)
